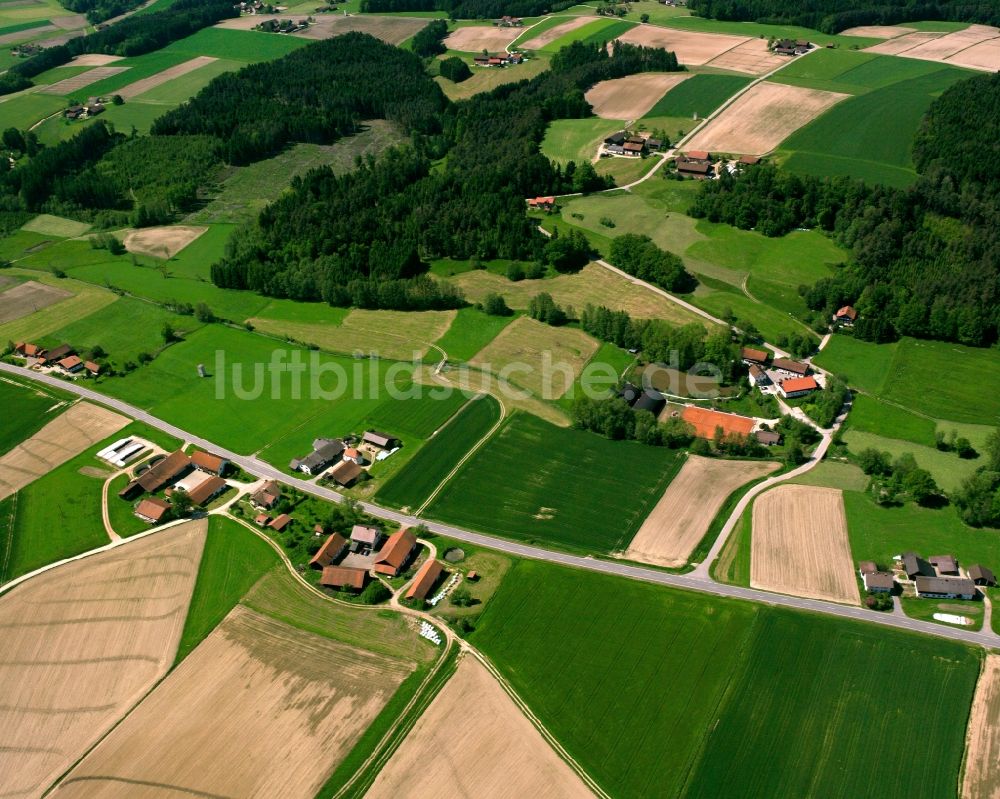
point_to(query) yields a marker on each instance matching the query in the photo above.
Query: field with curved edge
(664, 693)
(414, 483)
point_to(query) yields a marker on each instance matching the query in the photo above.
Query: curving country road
(695, 581)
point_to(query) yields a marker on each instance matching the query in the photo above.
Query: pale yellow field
(900, 44)
(800, 546)
(985, 56)
(86, 299)
(877, 31)
(476, 38)
(397, 335)
(633, 96)
(392, 30)
(473, 741)
(69, 434)
(593, 284)
(752, 57)
(144, 85)
(981, 779)
(82, 644)
(531, 355)
(95, 60)
(259, 710)
(949, 48)
(683, 515)
(27, 298)
(161, 242)
(692, 48)
(761, 119)
(81, 81)
(550, 35)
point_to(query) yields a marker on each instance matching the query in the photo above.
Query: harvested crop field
(691, 48)
(633, 96)
(592, 284)
(901, 44)
(946, 48)
(752, 57)
(161, 242)
(140, 86)
(392, 30)
(498, 753)
(535, 356)
(259, 709)
(877, 31)
(705, 421)
(82, 644)
(28, 33)
(985, 55)
(476, 38)
(761, 119)
(800, 545)
(397, 335)
(28, 297)
(551, 34)
(95, 60)
(684, 513)
(981, 779)
(66, 436)
(81, 81)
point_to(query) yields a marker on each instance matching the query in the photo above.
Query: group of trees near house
(469, 9)
(613, 418)
(925, 261)
(135, 35)
(316, 94)
(833, 16)
(329, 236)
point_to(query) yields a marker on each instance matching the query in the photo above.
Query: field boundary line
(9, 547)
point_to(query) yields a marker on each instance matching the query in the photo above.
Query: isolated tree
(168, 333)
(495, 305)
(874, 462)
(964, 448)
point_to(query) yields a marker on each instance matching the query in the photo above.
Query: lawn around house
(753, 670)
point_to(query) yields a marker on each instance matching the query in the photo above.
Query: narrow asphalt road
(690, 582)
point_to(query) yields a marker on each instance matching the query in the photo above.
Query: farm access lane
(690, 582)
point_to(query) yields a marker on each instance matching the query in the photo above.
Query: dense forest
(316, 94)
(470, 9)
(132, 36)
(925, 261)
(100, 10)
(459, 194)
(833, 16)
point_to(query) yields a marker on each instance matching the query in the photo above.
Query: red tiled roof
(338, 576)
(751, 354)
(204, 491)
(91, 367)
(261, 519)
(71, 362)
(704, 422)
(152, 508)
(280, 523)
(332, 547)
(397, 549)
(794, 384)
(698, 155)
(207, 461)
(424, 580)
(849, 312)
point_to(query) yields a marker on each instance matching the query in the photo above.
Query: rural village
(584, 374)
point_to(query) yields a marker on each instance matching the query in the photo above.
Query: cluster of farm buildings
(937, 577)
(91, 108)
(62, 359)
(199, 476)
(702, 165)
(629, 145)
(783, 376)
(498, 61)
(343, 461)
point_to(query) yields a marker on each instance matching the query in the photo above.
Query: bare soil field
(752, 57)
(878, 31)
(474, 741)
(70, 22)
(901, 44)
(82, 644)
(593, 284)
(761, 119)
(550, 35)
(81, 81)
(397, 335)
(981, 779)
(161, 242)
(985, 55)
(683, 515)
(799, 544)
(476, 38)
(259, 709)
(631, 97)
(535, 356)
(144, 85)
(66, 436)
(28, 297)
(691, 47)
(31, 33)
(946, 48)
(392, 30)
(95, 60)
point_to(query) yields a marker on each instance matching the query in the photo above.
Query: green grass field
(121, 511)
(700, 94)
(248, 46)
(470, 332)
(176, 91)
(49, 225)
(870, 415)
(232, 561)
(26, 409)
(947, 468)
(414, 483)
(968, 392)
(516, 486)
(865, 142)
(663, 693)
(418, 416)
(600, 30)
(755, 29)
(577, 139)
(24, 110)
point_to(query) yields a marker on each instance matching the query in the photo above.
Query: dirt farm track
(473, 741)
(981, 779)
(259, 710)
(82, 644)
(800, 544)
